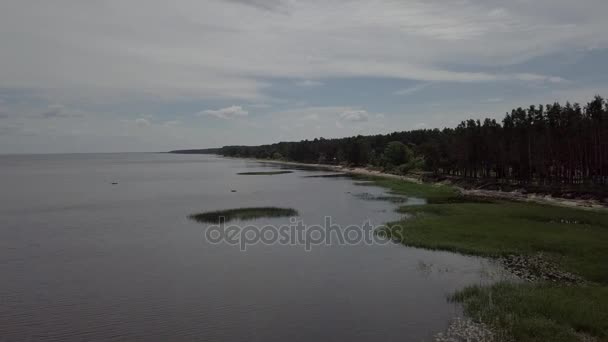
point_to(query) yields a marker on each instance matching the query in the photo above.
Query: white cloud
(498, 13)
(353, 115)
(204, 49)
(132, 55)
(142, 122)
(172, 123)
(10, 129)
(312, 111)
(327, 115)
(53, 111)
(309, 83)
(59, 111)
(227, 113)
(311, 117)
(260, 105)
(411, 90)
(323, 121)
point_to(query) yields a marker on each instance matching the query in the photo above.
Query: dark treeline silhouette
(198, 151)
(552, 144)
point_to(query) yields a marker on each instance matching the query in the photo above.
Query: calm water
(81, 259)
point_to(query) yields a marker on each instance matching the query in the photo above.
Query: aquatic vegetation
(433, 193)
(371, 197)
(264, 173)
(243, 214)
(505, 228)
(333, 175)
(539, 312)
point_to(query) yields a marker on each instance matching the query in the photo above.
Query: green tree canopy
(396, 153)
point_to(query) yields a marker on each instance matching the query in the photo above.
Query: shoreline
(488, 194)
(488, 309)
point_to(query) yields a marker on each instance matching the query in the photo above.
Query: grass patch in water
(333, 175)
(431, 192)
(264, 173)
(243, 214)
(371, 197)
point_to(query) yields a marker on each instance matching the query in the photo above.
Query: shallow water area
(84, 259)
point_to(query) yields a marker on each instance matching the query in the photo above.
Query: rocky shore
(466, 330)
(537, 268)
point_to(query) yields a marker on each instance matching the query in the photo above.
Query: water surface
(82, 259)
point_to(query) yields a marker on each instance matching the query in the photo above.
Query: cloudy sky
(152, 75)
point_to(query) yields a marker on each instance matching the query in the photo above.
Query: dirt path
(535, 198)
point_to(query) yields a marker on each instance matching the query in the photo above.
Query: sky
(152, 75)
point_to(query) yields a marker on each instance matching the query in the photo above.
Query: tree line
(551, 144)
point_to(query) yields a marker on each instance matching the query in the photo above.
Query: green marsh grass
(539, 312)
(503, 228)
(371, 197)
(575, 240)
(432, 193)
(243, 214)
(333, 175)
(264, 173)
